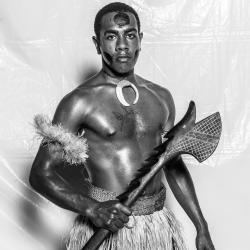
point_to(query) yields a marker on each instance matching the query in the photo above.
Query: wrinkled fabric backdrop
(199, 50)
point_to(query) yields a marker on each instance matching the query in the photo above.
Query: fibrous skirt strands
(158, 230)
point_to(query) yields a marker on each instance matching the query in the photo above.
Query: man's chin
(123, 70)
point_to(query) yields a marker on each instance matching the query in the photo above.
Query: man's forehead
(119, 19)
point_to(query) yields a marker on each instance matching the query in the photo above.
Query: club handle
(96, 240)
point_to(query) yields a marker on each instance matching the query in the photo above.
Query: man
(123, 117)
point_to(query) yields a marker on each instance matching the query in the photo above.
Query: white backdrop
(199, 50)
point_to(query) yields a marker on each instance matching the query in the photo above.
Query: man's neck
(127, 80)
(129, 76)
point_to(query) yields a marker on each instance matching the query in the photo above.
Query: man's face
(120, 41)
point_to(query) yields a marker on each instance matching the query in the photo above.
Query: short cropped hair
(113, 7)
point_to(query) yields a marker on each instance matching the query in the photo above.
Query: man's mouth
(123, 58)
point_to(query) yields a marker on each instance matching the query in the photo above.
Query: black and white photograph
(125, 125)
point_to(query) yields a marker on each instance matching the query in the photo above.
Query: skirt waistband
(143, 206)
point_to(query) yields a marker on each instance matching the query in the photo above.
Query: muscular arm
(46, 180)
(64, 192)
(44, 176)
(181, 184)
(182, 187)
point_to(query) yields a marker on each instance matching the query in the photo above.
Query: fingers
(122, 212)
(116, 220)
(114, 224)
(123, 209)
(111, 226)
(118, 223)
(124, 218)
(111, 215)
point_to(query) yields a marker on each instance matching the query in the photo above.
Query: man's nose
(121, 44)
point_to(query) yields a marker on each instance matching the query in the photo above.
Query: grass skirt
(157, 231)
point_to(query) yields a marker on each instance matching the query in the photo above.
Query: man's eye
(131, 36)
(110, 37)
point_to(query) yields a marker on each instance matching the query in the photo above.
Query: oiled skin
(120, 138)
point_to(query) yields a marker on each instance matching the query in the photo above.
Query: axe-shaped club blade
(197, 139)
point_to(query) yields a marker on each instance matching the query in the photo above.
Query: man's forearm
(60, 192)
(182, 187)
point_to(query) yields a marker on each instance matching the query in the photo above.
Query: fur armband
(66, 145)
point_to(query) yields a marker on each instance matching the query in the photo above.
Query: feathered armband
(64, 144)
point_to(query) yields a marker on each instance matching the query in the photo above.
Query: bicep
(69, 116)
(43, 169)
(44, 162)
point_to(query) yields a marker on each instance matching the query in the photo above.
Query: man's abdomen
(113, 165)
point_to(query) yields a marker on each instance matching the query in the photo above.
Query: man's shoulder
(83, 97)
(82, 94)
(78, 96)
(94, 84)
(165, 97)
(76, 102)
(160, 91)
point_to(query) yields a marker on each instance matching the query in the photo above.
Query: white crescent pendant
(120, 85)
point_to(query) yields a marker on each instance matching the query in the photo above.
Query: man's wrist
(202, 227)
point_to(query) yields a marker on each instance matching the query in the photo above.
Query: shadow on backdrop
(33, 219)
(88, 72)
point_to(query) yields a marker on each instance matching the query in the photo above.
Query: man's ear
(140, 35)
(97, 45)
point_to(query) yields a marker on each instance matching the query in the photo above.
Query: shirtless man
(121, 127)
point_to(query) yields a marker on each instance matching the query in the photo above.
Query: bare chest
(110, 119)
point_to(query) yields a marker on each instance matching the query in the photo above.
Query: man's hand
(110, 215)
(203, 241)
